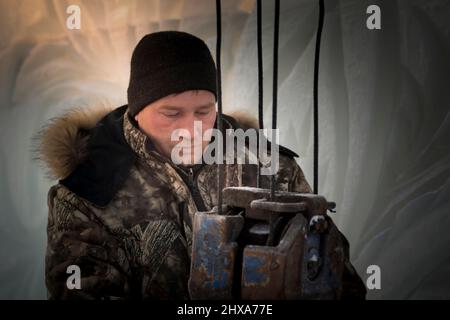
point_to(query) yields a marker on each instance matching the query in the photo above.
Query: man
(122, 211)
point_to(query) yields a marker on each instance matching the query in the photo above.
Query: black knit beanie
(168, 62)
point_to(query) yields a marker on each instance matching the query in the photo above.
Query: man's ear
(136, 118)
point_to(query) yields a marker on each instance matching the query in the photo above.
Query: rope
(275, 83)
(220, 167)
(260, 84)
(316, 96)
(260, 67)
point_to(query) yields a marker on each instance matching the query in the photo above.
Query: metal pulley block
(214, 250)
(263, 248)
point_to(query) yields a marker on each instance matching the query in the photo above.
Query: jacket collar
(135, 138)
(108, 162)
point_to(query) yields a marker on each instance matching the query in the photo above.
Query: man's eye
(204, 113)
(171, 115)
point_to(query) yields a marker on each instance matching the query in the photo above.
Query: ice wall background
(384, 116)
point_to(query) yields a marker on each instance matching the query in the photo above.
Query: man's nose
(193, 125)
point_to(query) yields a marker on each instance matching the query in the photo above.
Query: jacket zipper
(195, 191)
(191, 182)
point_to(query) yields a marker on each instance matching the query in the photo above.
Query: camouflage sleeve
(298, 181)
(79, 245)
(169, 280)
(160, 260)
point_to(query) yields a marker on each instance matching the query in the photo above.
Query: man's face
(179, 111)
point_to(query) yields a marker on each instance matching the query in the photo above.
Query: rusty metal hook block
(256, 205)
(214, 250)
(275, 272)
(283, 248)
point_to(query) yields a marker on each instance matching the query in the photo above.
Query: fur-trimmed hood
(63, 142)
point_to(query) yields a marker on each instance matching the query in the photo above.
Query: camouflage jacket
(122, 213)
